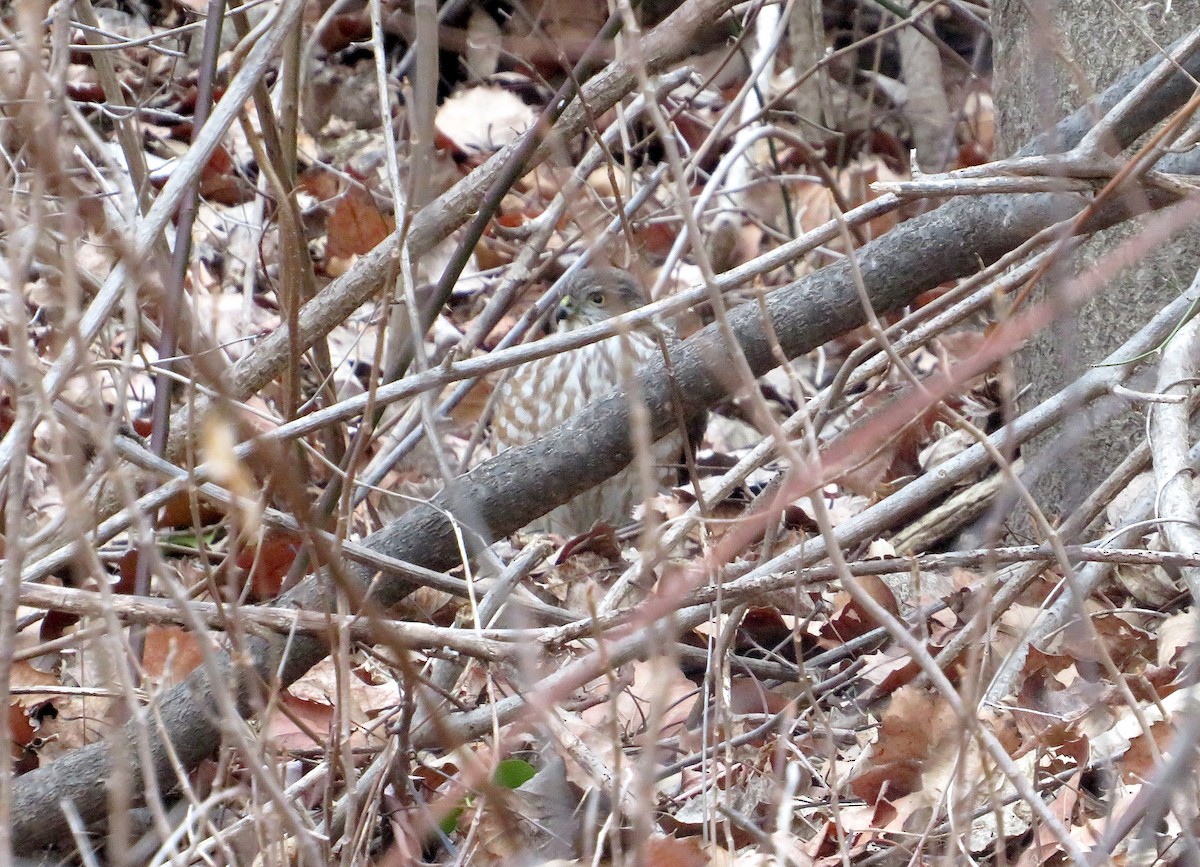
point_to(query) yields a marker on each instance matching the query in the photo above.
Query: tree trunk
(1050, 58)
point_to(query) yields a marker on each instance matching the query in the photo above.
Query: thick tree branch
(506, 492)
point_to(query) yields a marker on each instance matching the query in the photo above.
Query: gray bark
(925, 103)
(1050, 57)
(806, 35)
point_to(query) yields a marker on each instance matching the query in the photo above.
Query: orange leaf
(268, 563)
(355, 226)
(171, 653)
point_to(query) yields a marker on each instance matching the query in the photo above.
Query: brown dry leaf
(21, 733)
(1176, 633)
(1046, 847)
(405, 849)
(957, 769)
(948, 443)
(906, 730)
(222, 182)
(657, 683)
(321, 684)
(23, 677)
(601, 539)
(68, 722)
(745, 785)
(889, 669)
(470, 409)
(894, 455)
(904, 741)
(22, 726)
(220, 179)
(852, 831)
(723, 515)
(180, 512)
(921, 731)
(850, 619)
(746, 697)
(1129, 645)
(1144, 755)
(264, 565)
(304, 725)
(355, 227)
(1110, 743)
(565, 24)
(815, 205)
(320, 183)
(313, 698)
(764, 627)
(579, 580)
(1047, 704)
(607, 183)
(595, 749)
(171, 654)
(425, 604)
(956, 346)
(979, 124)
(673, 852)
(1150, 586)
(537, 819)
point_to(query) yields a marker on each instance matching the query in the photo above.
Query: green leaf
(513, 773)
(450, 823)
(510, 774)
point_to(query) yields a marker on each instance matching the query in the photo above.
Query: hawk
(542, 394)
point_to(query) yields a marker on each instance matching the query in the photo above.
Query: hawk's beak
(565, 309)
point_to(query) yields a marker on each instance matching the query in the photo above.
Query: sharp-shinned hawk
(542, 394)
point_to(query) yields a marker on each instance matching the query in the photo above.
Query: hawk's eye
(597, 298)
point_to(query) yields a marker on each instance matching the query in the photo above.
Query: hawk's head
(595, 294)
